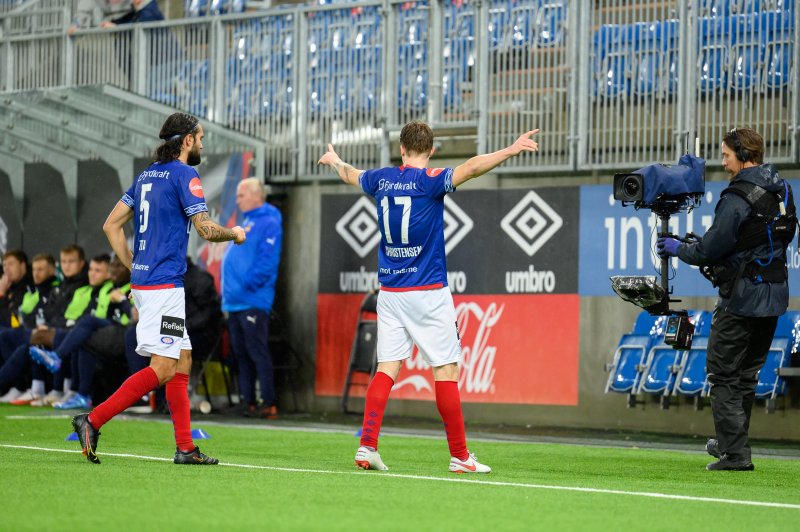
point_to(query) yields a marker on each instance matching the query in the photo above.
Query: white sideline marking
(47, 417)
(376, 474)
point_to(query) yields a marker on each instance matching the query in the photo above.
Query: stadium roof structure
(63, 126)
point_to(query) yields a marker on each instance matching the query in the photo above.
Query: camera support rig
(659, 189)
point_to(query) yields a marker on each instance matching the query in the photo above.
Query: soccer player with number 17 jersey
(415, 305)
(164, 201)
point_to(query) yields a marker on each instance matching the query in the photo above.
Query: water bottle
(40, 321)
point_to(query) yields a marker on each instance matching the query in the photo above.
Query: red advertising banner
(520, 349)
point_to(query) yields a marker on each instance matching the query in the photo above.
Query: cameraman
(746, 258)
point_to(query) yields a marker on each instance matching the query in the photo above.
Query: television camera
(665, 190)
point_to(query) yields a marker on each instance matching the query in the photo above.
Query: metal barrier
(28, 17)
(635, 85)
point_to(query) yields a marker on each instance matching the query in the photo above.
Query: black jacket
(203, 309)
(9, 305)
(718, 247)
(60, 298)
(45, 289)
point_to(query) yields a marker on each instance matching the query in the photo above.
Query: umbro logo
(531, 223)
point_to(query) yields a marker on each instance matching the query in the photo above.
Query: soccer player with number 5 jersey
(415, 305)
(164, 202)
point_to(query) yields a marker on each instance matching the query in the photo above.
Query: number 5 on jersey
(144, 207)
(405, 202)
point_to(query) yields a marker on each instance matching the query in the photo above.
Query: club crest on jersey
(433, 172)
(171, 326)
(195, 187)
(167, 340)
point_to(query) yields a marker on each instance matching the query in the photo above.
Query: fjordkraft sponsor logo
(519, 349)
(172, 326)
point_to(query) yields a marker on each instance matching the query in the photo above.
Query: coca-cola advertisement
(512, 269)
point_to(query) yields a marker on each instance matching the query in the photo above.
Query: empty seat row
(753, 51)
(644, 365)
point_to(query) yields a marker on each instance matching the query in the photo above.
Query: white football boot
(366, 458)
(470, 465)
(12, 394)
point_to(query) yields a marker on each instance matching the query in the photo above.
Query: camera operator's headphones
(742, 153)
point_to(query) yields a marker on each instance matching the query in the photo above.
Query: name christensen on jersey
(163, 198)
(410, 203)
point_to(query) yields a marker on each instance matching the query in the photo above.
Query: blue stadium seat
(692, 380)
(317, 95)
(715, 8)
(521, 27)
(451, 90)
(498, 18)
(626, 366)
(162, 82)
(459, 55)
(661, 369)
(196, 8)
(369, 92)
(647, 324)
(746, 51)
(413, 24)
(549, 23)
(612, 61)
(770, 384)
(222, 7)
(742, 7)
(193, 96)
(664, 364)
(412, 78)
(648, 55)
(367, 28)
(713, 54)
(669, 42)
(777, 29)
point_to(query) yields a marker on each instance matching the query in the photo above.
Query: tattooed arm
(213, 232)
(346, 172)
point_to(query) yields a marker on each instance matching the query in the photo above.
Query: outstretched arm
(115, 232)
(480, 164)
(346, 172)
(214, 232)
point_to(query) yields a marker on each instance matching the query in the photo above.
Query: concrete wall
(10, 214)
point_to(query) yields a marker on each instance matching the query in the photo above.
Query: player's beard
(194, 157)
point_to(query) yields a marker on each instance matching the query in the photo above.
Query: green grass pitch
(289, 479)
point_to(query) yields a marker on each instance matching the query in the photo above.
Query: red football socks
(377, 396)
(448, 401)
(137, 385)
(178, 401)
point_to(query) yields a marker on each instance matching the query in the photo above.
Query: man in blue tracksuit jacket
(249, 272)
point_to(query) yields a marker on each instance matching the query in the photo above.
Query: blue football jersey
(410, 205)
(163, 198)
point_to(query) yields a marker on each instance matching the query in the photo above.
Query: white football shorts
(423, 317)
(162, 322)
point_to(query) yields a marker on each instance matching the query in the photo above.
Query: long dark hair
(174, 130)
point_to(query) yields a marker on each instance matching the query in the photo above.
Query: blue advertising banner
(617, 240)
